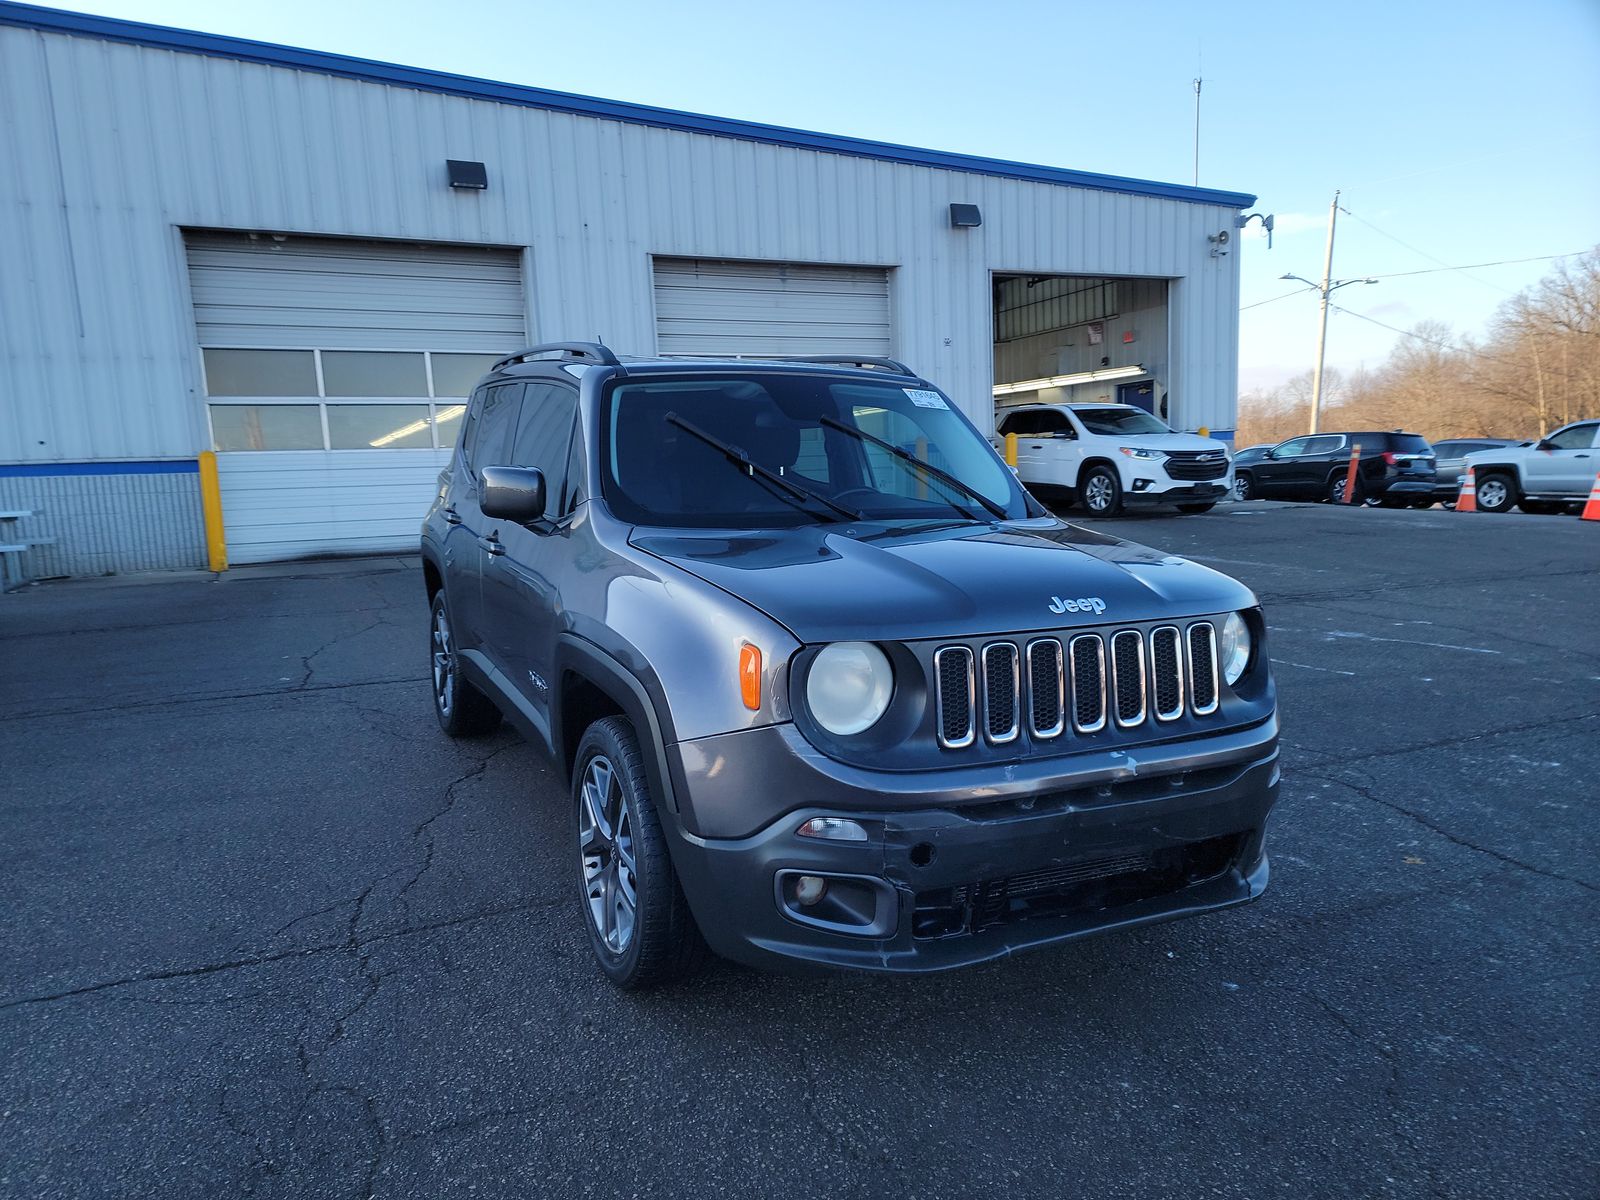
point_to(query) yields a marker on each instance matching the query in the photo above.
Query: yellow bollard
(211, 507)
(1205, 431)
(1011, 450)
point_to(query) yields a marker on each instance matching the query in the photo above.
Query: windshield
(1119, 421)
(756, 451)
(1409, 443)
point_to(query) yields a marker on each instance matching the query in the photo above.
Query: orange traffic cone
(1591, 510)
(1467, 501)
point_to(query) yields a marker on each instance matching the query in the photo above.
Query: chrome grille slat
(1128, 677)
(1204, 692)
(1166, 672)
(1084, 681)
(1047, 709)
(953, 701)
(1002, 694)
(1086, 655)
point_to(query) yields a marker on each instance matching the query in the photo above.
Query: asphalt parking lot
(269, 933)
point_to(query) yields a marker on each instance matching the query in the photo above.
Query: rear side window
(1326, 444)
(1023, 424)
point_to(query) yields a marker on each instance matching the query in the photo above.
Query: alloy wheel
(1492, 494)
(444, 663)
(605, 845)
(1241, 487)
(1097, 493)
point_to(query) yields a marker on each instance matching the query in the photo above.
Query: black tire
(1197, 508)
(662, 942)
(1244, 486)
(1496, 499)
(1100, 487)
(1335, 492)
(1419, 504)
(463, 710)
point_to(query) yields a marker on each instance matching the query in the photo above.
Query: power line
(1285, 296)
(1430, 257)
(1504, 262)
(1419, 337)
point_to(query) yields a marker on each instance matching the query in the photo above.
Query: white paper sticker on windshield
(923, 398)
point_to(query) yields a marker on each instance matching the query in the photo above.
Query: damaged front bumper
(954, 872)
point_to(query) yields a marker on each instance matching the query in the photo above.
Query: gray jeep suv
(829, 687)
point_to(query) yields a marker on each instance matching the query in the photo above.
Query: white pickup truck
(1111, 456)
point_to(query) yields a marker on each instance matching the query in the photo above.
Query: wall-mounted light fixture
(473, 176)
(965, 216)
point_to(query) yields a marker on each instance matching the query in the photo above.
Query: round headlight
(848, 687)
(1235, 648)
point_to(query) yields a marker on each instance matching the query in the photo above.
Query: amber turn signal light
(750, 676)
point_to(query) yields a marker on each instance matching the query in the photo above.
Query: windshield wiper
(927, 468)
(789, 490)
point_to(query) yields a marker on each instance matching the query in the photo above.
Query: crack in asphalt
(261, 960)
(1366, 792)
(307, 659)
(208, 698)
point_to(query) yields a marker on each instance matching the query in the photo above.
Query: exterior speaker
(965, 216)
(473, 175)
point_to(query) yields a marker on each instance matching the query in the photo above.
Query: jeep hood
(835, 582)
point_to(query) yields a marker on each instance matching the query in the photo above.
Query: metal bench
(12, 549)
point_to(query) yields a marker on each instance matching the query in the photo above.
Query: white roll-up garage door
(705, 306)
(335, 375)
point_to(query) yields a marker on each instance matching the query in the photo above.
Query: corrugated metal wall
(124, 145)
(134, 517)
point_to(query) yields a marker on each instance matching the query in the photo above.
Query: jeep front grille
(1083, 683)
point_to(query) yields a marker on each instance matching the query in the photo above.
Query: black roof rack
(593, 351)
(858, 360)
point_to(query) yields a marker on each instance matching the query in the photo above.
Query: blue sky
(1461, 131)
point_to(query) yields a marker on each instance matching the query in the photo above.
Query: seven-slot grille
(1083, 682)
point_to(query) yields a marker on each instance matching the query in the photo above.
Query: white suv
(1113, 455)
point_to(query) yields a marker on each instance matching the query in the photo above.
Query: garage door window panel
(260, 372)
(266, 427)
(455, 374)
(379, 427)
(373, 373)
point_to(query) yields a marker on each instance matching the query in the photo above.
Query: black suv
(1396, 470)
(828, 686)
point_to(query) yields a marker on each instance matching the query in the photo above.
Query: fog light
(1141, 485)
(834, 829)
(809, 889)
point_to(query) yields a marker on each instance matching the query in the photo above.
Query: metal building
(302, 260)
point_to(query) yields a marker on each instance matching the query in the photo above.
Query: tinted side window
(1323, 445)
(1573, 437)
(1008, 424)
(469, 425)
(1023, 424)
(491, 439)
(1293, 448)
(1054, 422)
(544, 437)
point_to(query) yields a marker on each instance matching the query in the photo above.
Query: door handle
(450, 515)
(492, 544)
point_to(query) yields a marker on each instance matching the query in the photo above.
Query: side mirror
(1273, 453)
(513, 494)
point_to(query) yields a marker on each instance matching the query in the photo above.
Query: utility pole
(1326, 288)
(1322, 326)
(1197, 84)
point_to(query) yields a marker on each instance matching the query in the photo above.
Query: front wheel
(1101, 492)
(1496, 493)
(634, 909)
(1244, 488)
(1196, 508)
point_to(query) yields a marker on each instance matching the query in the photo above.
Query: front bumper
(961, 874)
(1183, 493)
